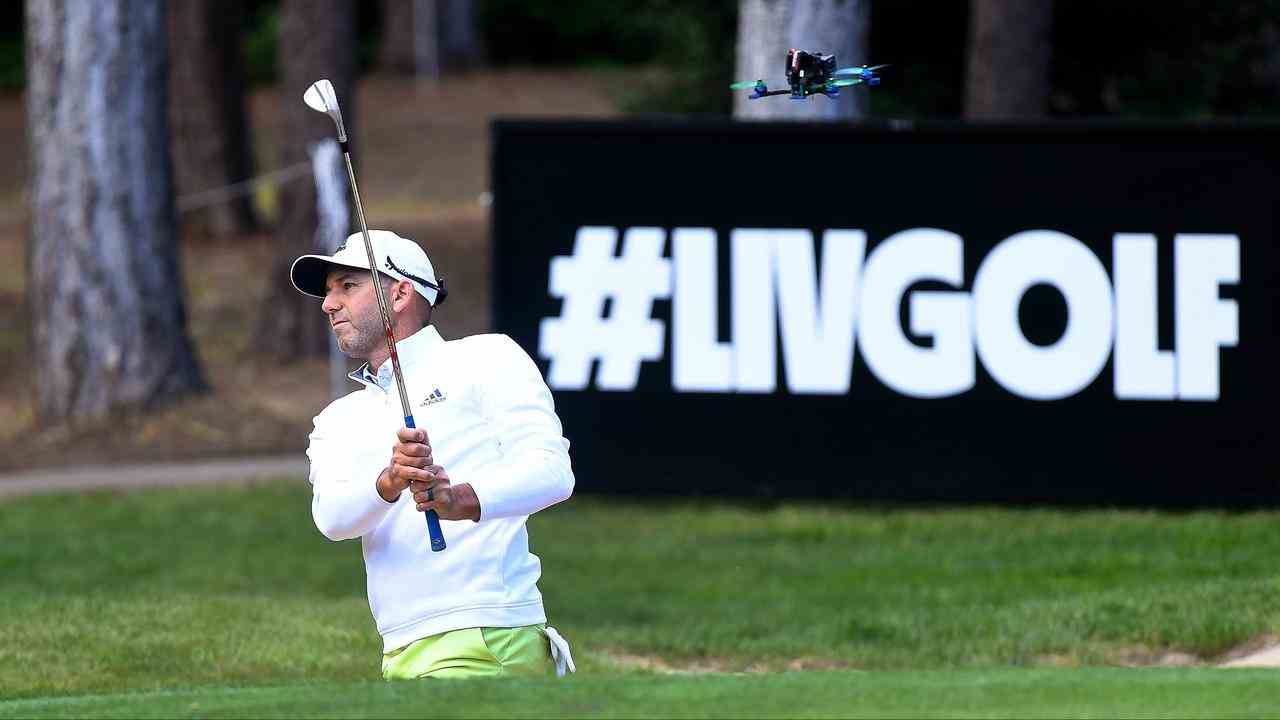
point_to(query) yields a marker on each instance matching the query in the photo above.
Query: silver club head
(321, 98)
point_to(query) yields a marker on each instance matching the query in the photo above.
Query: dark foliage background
(1141, 58)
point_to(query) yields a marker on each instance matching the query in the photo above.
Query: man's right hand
(410, 457)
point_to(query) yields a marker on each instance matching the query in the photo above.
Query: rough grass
(163, 589)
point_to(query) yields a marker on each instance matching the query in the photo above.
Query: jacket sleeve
(345, 503)
(534, 472)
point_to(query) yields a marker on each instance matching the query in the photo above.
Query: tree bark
(206, 111)
(768, 28)
(317, 40)
(105, 287)
(461, 47)
(1008, 69)
(454, 42)
(396, 52)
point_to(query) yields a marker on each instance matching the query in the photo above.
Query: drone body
(813, 74)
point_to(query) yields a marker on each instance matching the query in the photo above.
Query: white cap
(397, 257)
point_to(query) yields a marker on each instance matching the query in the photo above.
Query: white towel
(560, 652)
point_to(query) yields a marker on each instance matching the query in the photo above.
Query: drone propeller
(845, 82)
(746, 84)
(859, 70)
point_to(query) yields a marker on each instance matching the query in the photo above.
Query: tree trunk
(317, 40)
(768, 28)
(1008, 70)
(426, 40)
(105, 286)
(206, 110)
(453, 44)
(461, 48)
(396, 53)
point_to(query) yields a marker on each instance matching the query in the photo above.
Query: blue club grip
(433, 520)
(433, 529)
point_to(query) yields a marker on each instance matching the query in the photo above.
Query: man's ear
(405, 293)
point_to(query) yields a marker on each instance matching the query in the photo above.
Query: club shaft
(383, 308)
(433, 518)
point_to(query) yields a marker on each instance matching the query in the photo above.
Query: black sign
(1065, 314)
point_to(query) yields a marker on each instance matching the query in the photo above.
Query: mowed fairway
(1095, 692)
(226, 601)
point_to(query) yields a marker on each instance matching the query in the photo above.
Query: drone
(813, 74)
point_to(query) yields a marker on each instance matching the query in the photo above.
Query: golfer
(487, 453)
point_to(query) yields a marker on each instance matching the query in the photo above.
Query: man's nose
(330, 305)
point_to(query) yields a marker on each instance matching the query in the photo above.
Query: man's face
(352, 307)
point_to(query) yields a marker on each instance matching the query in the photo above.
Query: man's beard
(362, 336)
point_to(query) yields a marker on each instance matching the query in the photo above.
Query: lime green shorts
(473, 652)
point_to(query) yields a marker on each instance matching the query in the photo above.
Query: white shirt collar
(413, 350)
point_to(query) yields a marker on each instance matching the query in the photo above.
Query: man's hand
(410, 457)
(451, 502)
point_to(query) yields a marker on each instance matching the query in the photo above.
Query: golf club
(321, 98)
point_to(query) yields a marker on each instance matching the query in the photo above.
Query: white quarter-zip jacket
(491, 423)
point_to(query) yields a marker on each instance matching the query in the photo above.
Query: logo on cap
(392, 266)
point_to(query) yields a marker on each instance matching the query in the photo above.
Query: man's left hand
(451, 502)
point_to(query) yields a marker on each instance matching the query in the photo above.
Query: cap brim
(310, 272)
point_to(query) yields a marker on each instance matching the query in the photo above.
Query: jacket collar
(413, 351)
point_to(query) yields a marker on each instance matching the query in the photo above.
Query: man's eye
(348, 285)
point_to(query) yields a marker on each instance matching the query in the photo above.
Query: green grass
(218, 590)
(1106, 693)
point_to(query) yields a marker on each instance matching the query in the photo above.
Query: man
(487, 453)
